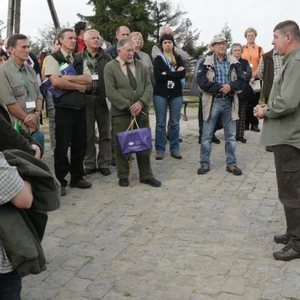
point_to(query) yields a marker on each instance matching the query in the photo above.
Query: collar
(16, 66)
(216, 57)
(65, 54)
(253, 46)
(122, 62)
(89, 54)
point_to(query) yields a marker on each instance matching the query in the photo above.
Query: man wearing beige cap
(220, 77)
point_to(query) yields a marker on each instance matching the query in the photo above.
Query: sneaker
(81, 184)
(159, 155)
(176, 155)
(203, 169)
(104, 171)
(234, 170)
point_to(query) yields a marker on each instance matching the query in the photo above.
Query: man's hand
(67, 77)
(37, 151)
(258, 111)
(225, 88)
(181, 68)
(31, 121)
(136, 108)
(81, 88)
(252, 79)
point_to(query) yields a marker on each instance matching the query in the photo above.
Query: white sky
(208, 16)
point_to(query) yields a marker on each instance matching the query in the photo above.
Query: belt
(92, 93)
(222, 96)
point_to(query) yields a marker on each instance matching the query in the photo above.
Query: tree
(2, 26)
(110, 14)
(227, 32)
(162, 14)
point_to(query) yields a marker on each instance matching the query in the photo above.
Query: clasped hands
(258, 111)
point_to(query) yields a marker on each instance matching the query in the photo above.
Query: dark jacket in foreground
(11, 139)
(22, 230)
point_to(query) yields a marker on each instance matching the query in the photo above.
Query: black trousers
(70, 129)
(287, 163)
(250, 119)
(10, 286)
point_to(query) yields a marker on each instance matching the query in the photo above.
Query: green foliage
(227, 32)
(109, 15)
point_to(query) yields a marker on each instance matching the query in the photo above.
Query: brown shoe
(234, 170)
(81, 184)
(104, 171)
(159, 155)
(286, 254)
(203, 169)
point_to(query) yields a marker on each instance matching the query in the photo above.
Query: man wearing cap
(220, 77)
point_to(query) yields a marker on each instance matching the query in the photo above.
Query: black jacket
(73, 99)
(161, 81)
(113, 52)
(102, 61)
(11, 139)
(247, 92)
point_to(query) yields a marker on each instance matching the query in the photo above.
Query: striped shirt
(222, 70)
(277, 60)
(10, 185)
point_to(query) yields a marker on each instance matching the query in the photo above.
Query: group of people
(91, 81)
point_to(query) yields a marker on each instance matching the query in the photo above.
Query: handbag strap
(167, 62)
(131, 123)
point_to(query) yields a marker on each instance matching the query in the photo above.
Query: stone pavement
(198, 237)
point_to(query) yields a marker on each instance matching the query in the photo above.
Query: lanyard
(23, 78)
(92, 61)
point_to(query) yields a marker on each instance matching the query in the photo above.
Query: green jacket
(282, 114)
(120, 93)
(21, 231)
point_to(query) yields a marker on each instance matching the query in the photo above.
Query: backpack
(194, 86)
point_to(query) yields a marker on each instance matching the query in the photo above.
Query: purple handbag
(135, 140)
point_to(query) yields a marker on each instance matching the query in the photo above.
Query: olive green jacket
(21, 230)
(282, 114)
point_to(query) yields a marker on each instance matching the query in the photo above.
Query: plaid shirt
(91, 63)
(277, 60)
(10, 184)
(222, 70)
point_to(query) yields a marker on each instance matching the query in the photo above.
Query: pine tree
(227, 32)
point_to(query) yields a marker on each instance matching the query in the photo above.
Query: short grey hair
(87, 33)
(165, 29)
(236, 45)
(123, 42)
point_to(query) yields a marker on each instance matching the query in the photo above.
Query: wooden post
(17, 16)
(10, 18)
(54, 15)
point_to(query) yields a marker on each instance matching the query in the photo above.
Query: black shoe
(123, 182)
(63, 191)
(269, 148)
(89, 171)
(215, 140)
(255, 128)
(113, 162)
(282, 238)
(180, 140)
(286, 254)
(151, 181)
(199, 139)
(241, 139)
(81, 184)
(104, 171)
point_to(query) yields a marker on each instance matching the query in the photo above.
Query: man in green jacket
(17, 192)
(128, 88)
(281, 131)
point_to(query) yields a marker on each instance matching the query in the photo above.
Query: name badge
(95, 77)
(30, 104)
(251, 65)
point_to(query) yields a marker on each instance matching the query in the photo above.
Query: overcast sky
(207, 16)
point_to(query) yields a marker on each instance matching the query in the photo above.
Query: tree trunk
(10, 18)
(53, 15)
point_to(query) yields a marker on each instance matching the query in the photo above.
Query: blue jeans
(10, 286)
(160, 105)
(220, 108)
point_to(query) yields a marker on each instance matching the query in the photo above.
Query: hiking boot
(176, 155)
(159, 155)
(234, 170)
(203, 169)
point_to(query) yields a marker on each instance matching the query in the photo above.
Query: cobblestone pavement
(198, 237)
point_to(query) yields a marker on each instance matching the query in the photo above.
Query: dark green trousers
(121, 123)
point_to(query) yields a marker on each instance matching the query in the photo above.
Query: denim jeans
(10, 286)
(220, 108)
(160, 105)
